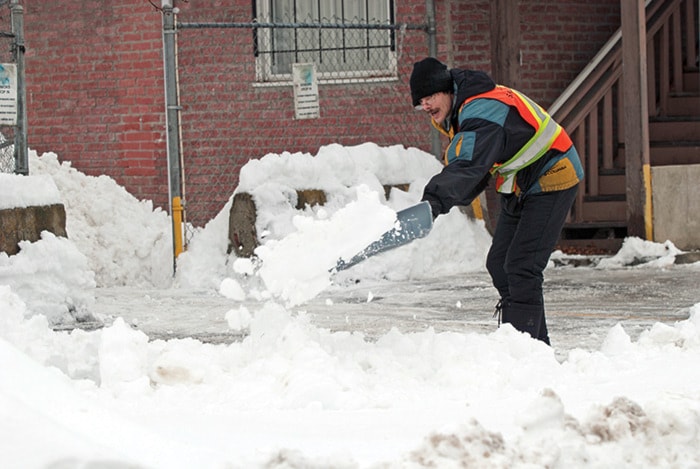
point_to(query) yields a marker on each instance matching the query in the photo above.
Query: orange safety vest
(548, 135)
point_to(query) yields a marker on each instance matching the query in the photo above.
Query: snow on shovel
(411, 223)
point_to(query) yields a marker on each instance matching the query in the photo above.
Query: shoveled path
(582, 303)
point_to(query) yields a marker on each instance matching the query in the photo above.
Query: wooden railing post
(636, 115)
(505, 42)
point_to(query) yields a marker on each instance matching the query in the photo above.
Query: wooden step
(611, 184)
(668, 153)
(597, 225)
(592, 237)
(684, 105)
(674, 130)
(600, 210)
(691, 81)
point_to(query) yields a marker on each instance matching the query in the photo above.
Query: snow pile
(273, 180)
(500, 400)
(99, 216)
(53, 276)
(289, 393)
(635, 251)
(20, 191)
(355, 214)
(335, 167)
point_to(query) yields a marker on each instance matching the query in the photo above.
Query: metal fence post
(172, 109)
(18, 48)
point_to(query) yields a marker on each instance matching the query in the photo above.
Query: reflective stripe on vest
(547, 132)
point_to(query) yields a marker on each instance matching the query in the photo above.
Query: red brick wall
(559, 39)
(226, 120)
(95, 87)
(464, 33)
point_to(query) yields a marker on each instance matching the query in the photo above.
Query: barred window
(347, 40)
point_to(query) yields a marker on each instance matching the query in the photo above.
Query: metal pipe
(172, 121)
(179, 205)
(431, 26)
(435, 143)
(21, 154)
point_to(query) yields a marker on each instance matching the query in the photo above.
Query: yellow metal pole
(177, 225)
(648, 208)
(478, 212)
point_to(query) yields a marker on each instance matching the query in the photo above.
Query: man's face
(437, 105)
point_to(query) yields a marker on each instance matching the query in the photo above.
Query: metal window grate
(340, 37)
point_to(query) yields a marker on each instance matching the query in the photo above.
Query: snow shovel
(413, 222)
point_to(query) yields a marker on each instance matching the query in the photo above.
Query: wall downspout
(172, 121)
(18, 47)
(435, 145)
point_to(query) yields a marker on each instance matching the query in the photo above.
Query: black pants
(527, 232)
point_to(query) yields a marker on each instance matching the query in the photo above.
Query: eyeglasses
(428, 100)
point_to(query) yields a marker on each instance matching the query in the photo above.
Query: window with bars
(347, 40)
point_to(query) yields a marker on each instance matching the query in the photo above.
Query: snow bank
(17, 191)
(126, 241)
(498, 400)
(299, 247)
(291, 394)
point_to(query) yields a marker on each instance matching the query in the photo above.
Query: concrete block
(389, 187)
(310, 197)
(675, 209)
(688, 258)
(27, 223)
(242, 235)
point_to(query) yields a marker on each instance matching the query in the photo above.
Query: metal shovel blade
(412, 223)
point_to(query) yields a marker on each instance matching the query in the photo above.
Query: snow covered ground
(277, 364)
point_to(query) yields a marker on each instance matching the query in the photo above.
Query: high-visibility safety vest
(548, 135)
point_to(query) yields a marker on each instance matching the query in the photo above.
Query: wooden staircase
(674, 138)
(591, 111)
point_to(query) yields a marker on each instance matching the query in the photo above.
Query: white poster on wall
(305, 91)
(8, 94)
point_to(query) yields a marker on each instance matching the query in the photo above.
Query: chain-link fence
(13, 138)
(237, 100)
(7, 149)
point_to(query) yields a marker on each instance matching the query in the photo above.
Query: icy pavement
(582, 303)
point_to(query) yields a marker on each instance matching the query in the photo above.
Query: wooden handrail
(557, 109)
(590, 108)
(608, 57)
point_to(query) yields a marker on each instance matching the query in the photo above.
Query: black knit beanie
(429, 76)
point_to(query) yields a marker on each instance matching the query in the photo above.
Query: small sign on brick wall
(305, 91)
(8, 94)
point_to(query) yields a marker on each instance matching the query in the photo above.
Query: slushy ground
(582, 304)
